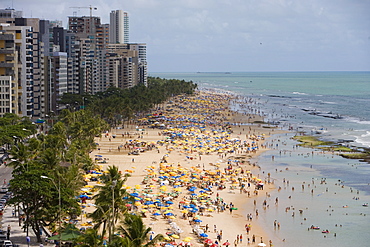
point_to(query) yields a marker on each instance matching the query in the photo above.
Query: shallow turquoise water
(281, 96)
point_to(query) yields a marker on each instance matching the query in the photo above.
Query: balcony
(6, 51)
(6, 65)
(6, 37)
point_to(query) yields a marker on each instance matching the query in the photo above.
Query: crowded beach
(189, 170)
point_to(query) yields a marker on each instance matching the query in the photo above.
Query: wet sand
(230, 223)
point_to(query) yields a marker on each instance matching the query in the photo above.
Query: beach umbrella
(197, 220)
(226, 243)
(167, 238)
(203, 235)
(261, 244)
(208, 241)
(175, 236)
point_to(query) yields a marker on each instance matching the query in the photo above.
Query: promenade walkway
(17, 235)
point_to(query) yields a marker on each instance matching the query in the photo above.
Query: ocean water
(294, 97)
(328, 189)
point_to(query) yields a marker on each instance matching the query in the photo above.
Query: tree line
(117, 106)
(48, 168)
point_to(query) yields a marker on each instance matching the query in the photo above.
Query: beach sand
(113, 151)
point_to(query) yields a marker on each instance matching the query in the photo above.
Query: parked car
(4, 189)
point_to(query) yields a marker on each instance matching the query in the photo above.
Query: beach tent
(69, 234)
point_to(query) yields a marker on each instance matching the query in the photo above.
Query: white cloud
(227, 34)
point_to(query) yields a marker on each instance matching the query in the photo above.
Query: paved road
(5, 174)
(17, 236)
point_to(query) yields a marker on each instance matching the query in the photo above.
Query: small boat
(315, 227)
(326, 231)
(365, 204)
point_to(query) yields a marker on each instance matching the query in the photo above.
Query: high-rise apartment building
(93, 37)
(40, 60)
(9, 71)
(16, 63)
(125, 64)
(119, 27)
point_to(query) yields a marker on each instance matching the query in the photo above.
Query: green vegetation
(48, 166)
(360, 156)
(118, 105)
(111, 216)
(14, 129)
(311, 141)
(345, 152)
(48, 169)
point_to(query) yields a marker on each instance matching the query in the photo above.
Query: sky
(233, 35)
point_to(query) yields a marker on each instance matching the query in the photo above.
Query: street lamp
(15, 140)
(83, 103)
(24, 129)
(114, 182)
(60, 205)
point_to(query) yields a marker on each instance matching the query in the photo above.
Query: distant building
(40, 60)
(17, 64)
(126, 67)
(119, 27)
(58, 78)
(10, 13)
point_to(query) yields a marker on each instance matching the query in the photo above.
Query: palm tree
(91, 238)
(137, 233)
(111, 201)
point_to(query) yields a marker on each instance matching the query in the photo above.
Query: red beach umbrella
(208, 241)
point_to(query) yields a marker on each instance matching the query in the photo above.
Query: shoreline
(138, 164)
